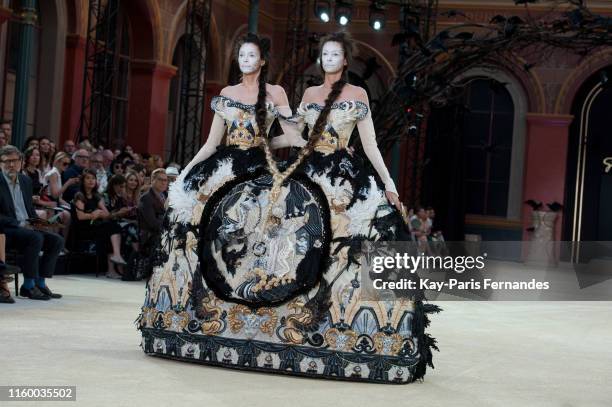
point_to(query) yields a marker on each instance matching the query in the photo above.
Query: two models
(258, 264)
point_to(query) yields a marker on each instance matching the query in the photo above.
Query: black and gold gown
(243, 283)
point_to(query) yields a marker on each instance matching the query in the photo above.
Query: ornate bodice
(240, 121)
(341, 121)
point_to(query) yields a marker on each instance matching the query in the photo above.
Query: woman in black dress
(93, 221)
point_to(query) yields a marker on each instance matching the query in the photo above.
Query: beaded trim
(225, 101)
(344, 105)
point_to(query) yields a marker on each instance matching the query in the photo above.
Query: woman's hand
(394, 199)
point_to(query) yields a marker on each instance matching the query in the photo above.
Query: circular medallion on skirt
(255, 254)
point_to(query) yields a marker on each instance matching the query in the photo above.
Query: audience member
(93, 221)
(44, 146)
(116, 168)
(151, 209)
(172, 173)
(107, 157)
(81, 162)
(69, 147)
(6, 128)
(120, 211)
(52, 150)
(132, 190)
(53, 179)
(97, 164)
(31, 141)
(3, 139)
(19, 220)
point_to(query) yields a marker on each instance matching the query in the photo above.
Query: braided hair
(264, 51)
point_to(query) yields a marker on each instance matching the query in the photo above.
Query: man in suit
(151, 208)
(17, 215)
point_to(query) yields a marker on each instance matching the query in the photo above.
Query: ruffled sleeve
(219, 105)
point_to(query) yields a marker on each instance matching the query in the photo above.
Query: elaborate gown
(243, 283)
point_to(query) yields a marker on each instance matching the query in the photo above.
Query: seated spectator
(121, 212)
(420, 225)
(96, 163)
(6, 131)
(44, 147)
(69, 147)
(81, 162)
(19, 219)
(151, 209)
(172, 173)
(31, 164)
(107, 158)
(52, 150)
(93, 221)
(31, 141)
(53, 179)
(117, 168)
(132, 189)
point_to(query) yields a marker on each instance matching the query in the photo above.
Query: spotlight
(377, 15)
(343, 12)
(323, 10)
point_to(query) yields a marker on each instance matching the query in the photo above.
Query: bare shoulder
(277, 92)
(355, 93)
(309, 93)
(229, 91)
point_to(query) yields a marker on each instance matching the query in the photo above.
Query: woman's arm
(80, 211)
(367, 135)
(292, 129)
(102, 207)
(217, 130)
(54, 191)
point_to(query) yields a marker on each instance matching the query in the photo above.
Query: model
(262, 271)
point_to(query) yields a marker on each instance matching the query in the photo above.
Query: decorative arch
(177, 30)
(575, 81)
(520, 99)
(145, 21)
(371, 51)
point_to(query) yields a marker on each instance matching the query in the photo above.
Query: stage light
(323, 10)
(343, 12)
(377, 15)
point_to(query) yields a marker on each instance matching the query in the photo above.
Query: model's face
(332, 57)
(249, 58)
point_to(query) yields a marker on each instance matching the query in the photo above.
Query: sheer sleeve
(370, 147)
(217, 130)
(292, 126)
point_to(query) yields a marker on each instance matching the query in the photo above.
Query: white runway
(555, 354)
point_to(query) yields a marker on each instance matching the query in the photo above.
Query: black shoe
(33, 294)
(47, 291)
(5, 296)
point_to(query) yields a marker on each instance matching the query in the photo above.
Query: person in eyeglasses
(81, 162)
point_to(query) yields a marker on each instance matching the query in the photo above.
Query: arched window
(489, 128)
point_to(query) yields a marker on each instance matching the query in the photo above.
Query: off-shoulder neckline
(336, 105)
(238, 103)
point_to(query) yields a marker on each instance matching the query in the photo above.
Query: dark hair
(348, 45)
(96, 195)
(113, 163)
(264, 50)
(29, 140)
(319, 125)
(28, 153)
(115, 180)
(5, 121)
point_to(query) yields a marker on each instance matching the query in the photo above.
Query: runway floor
(492, 354)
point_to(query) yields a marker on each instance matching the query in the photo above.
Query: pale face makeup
(332, 57)
(249, 58)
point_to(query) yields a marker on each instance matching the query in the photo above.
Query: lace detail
(219, 103)
(347, 105)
